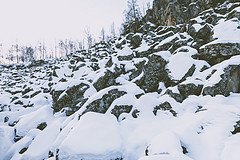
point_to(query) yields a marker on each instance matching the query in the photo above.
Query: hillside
(168, 89)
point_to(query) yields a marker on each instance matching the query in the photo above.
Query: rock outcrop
(173, 12)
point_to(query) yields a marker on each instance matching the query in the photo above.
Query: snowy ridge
(163, 93)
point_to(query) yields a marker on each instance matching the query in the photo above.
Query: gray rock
(216, 53)
(101, 105)
(69, 98)
(189, 89)
(230, 82)
(119, 109)
(236, 128)
(136, 40)
(108, 79)
(205, 33)
(178, 97)
(154, 72)
(166, 106)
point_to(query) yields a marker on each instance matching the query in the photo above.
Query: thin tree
(103, 35)
(112, 30)
(89, 37)
(132, 14)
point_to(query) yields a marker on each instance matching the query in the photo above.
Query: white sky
(31, 20)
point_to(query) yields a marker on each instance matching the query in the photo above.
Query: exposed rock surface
(69, 98)
(229, 82)
(173, 12)
(154, 72)
(102, 105)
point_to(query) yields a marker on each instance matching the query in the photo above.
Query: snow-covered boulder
(101, 105)
(163, 147)
(155, 72)
(218, 52)
(94, 137)
(76, 92)
(103, 79)
(229, 82)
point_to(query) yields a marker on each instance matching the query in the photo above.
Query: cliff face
(173, 12)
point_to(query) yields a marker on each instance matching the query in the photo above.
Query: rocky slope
(169, 91)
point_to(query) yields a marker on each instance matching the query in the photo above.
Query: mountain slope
(165, 92)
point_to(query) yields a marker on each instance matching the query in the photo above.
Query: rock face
(205, 33)
(69, 98)
(154, 72)
(189, 89)
(230, 82)
(216, 53)
(173, 12)
(101, 105)
(104, 81)
(119, 109)
(136, 41)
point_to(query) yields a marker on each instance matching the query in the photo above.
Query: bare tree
(42, 49)
(89, 37)
(112, 30)
(79, 45)
(133, 12)
(103, 35)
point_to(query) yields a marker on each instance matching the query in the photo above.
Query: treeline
(20, 53)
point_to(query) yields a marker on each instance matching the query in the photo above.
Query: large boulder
(205, 33)
(106, 79)
(218, 52)
(166, 106)
(190, 89)
(154, 72)
(230, 82)
(69, 98)
(102, 104)
(136, 40)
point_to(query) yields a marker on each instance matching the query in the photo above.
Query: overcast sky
(31, 20)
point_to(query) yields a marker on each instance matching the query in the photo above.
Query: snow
(24, 143)
(203, 124)
(180, 59)
(63, 71)
(4, 98)
(216, 77)
(5, 141)
(184, 60)
(143, 47)
(45, 139)
(197, 26)
(232, 147)
(83, 142)
(237, 9)
(165, 143)
(126, 51)
(166, 157)
(164, 54)
(33, 119)
(225, 32)
(169, 39)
